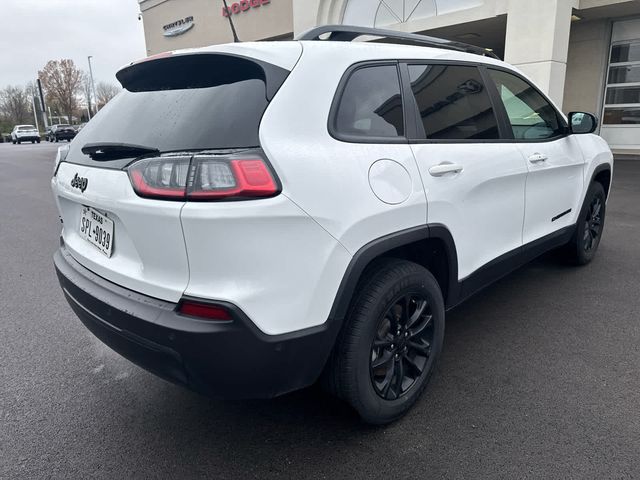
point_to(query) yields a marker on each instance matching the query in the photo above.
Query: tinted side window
(453, 102)
(371, 104)
(531, 116)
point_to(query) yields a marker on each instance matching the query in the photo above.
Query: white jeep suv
(247, 219)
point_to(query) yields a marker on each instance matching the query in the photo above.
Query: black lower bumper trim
(219, 359)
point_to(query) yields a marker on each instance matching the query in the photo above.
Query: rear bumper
(220, 359)
(64, 135)
(28, 138)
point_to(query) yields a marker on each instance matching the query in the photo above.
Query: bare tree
(62, 82)
(14, 104)
(105, 92)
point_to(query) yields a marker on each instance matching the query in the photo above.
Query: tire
(13, 141)
(56, 139)
(33, 141)
(365, 374)
(19, 142)
(583, 246)
(38, 141)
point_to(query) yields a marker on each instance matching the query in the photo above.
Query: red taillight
(205, 311)
(203, 177)
(238, 178)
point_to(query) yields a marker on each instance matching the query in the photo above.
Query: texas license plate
(97, 229)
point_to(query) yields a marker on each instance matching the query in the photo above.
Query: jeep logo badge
(79, 182)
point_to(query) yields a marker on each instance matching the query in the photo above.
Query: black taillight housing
(204, 177)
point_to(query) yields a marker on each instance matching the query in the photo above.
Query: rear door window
(370, 107)
(453, 102)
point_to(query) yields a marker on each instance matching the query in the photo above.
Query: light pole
(93, 87)
(35, 114)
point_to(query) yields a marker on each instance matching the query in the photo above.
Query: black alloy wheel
(592, 224)
(389, 345)
(589, 228)
(402, 346)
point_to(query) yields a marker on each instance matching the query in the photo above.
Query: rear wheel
(584, 244)
(389, 347)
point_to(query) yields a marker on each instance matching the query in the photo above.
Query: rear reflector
(203, 177)
(205, 311)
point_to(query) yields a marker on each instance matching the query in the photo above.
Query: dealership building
(584, 53)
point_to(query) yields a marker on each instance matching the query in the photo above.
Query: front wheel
(584, 244)
(389, 347)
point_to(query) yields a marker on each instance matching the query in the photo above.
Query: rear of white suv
(174, 214)
(25, 133)
(238, 223)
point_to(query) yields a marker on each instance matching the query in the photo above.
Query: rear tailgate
(175, 106)
(148, 253)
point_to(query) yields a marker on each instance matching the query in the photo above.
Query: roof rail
(348, 33)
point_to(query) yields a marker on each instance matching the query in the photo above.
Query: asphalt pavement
(540, 377)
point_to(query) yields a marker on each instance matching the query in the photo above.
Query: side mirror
(581, 122)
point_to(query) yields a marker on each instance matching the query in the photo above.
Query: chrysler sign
(243, 6)
(178, 27)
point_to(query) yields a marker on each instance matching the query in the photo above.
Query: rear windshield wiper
(113, 151)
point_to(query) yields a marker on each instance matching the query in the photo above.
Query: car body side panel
(267, 257)
(554, 186)
(482, 205)
(597, 154)
(328, 178)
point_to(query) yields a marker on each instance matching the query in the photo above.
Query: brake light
(205, 311)
(164, 178)
(203, 177)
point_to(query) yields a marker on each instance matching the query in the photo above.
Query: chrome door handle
(444, 168)
(538, 157)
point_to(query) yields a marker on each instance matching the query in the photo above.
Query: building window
(622, 97)
(380, 13)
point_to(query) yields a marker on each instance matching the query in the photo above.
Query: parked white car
(25, 133)
(246, 219)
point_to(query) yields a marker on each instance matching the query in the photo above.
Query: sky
(35, 31)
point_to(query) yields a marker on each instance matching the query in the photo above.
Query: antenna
(233, 28)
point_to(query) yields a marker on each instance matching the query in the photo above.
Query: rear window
(195, 103)
(27, 127)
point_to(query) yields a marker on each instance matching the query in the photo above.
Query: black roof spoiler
(348, 33)
(198, 69)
